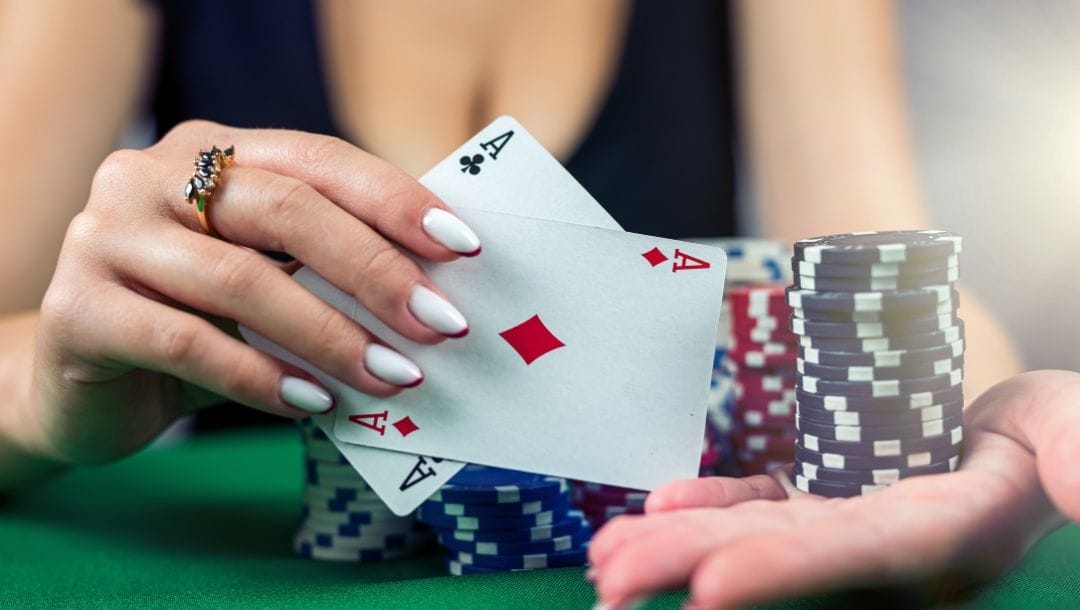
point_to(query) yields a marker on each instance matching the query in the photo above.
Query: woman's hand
(737, 542)
(142, 307)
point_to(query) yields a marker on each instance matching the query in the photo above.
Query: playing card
(589, 356)
(504, 169)
(519, 176)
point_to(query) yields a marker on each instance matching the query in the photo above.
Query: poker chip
(873, 270)
(878, 247)
(834, 490)
(870, 373)
(919, 400)
(879, 362)
(882, 447)
(858, 462)
(751, 260)
(529, 507)
(879, 418)
(552, 545)
(862, 330)
(311, 551)
(457, 569)
(882, 388)
(885, 476)
(571, 523)
(874, 284)
(559, 559)
(493, 519)
(883, 359)
(913, 301)
(925, 429)
(881, 344)
(484, 485)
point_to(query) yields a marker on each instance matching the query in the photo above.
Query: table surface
(208, 523)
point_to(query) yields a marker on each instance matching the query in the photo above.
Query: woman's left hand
(736, 542)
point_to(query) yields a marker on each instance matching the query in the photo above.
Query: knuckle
(289, 199)
(331, 328)
(119, 168)
(178, 342)
(190, 127)
(320, 151)
(242, 273)
(387, 268)
(84, 229)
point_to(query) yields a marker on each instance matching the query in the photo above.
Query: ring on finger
(207, 175)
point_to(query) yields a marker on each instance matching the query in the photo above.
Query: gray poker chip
(882, 447)
(864, 330)
(919, 400)
(882, 388)
(948, 275)
(884, 476)
(911, 370)
(872, 270)
(876, 418)
(882, 359)
(829, 489)
(944, 307)
(881, 344)
(879, 247)
(914, 299)
(859, 462)
(926, 429)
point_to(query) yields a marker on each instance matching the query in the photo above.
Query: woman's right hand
(142, 308)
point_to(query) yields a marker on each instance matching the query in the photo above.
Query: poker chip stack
(761, 364)
(600, 503)
(750, 262)
(496, 520)
(880, 359)
(342, 519)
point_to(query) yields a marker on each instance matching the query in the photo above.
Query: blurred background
(994, 93)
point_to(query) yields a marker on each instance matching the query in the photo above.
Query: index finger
(371, 189)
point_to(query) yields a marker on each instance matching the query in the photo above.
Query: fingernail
(392, 367)
(450, 231)
(305, 395)
(437, 313)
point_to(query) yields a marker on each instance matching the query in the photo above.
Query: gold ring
(208, 166)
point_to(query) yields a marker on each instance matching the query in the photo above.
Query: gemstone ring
(208, 167)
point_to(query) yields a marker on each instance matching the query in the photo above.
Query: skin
(737, 542)
(138, 319)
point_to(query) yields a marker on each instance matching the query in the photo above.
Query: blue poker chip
(947, 275)
(819, 329)
(835, 490)
(517, 509)
(311, 551)
(573, 522)
(857, 462)
(807, 413)
(560, 559)
(926, 429)
(551, 545)
(882, 447)
(935, 338)
(871, 373)
(872, 270)
(486, 485)
(879, 247)
(493, 523)
(883, 359)
(885, 476)
(832, 402)
(883, 387)
(458, 569)
(913, 301)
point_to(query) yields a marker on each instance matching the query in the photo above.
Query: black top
(659, 156)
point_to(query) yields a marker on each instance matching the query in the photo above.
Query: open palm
(758, 539)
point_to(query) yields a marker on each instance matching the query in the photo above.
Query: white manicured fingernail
(392, 367)
(305, 395)
(437, 313)
(451, 232)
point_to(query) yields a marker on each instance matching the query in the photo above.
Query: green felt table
(208, 523)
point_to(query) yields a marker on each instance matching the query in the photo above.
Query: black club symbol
(471, 164)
